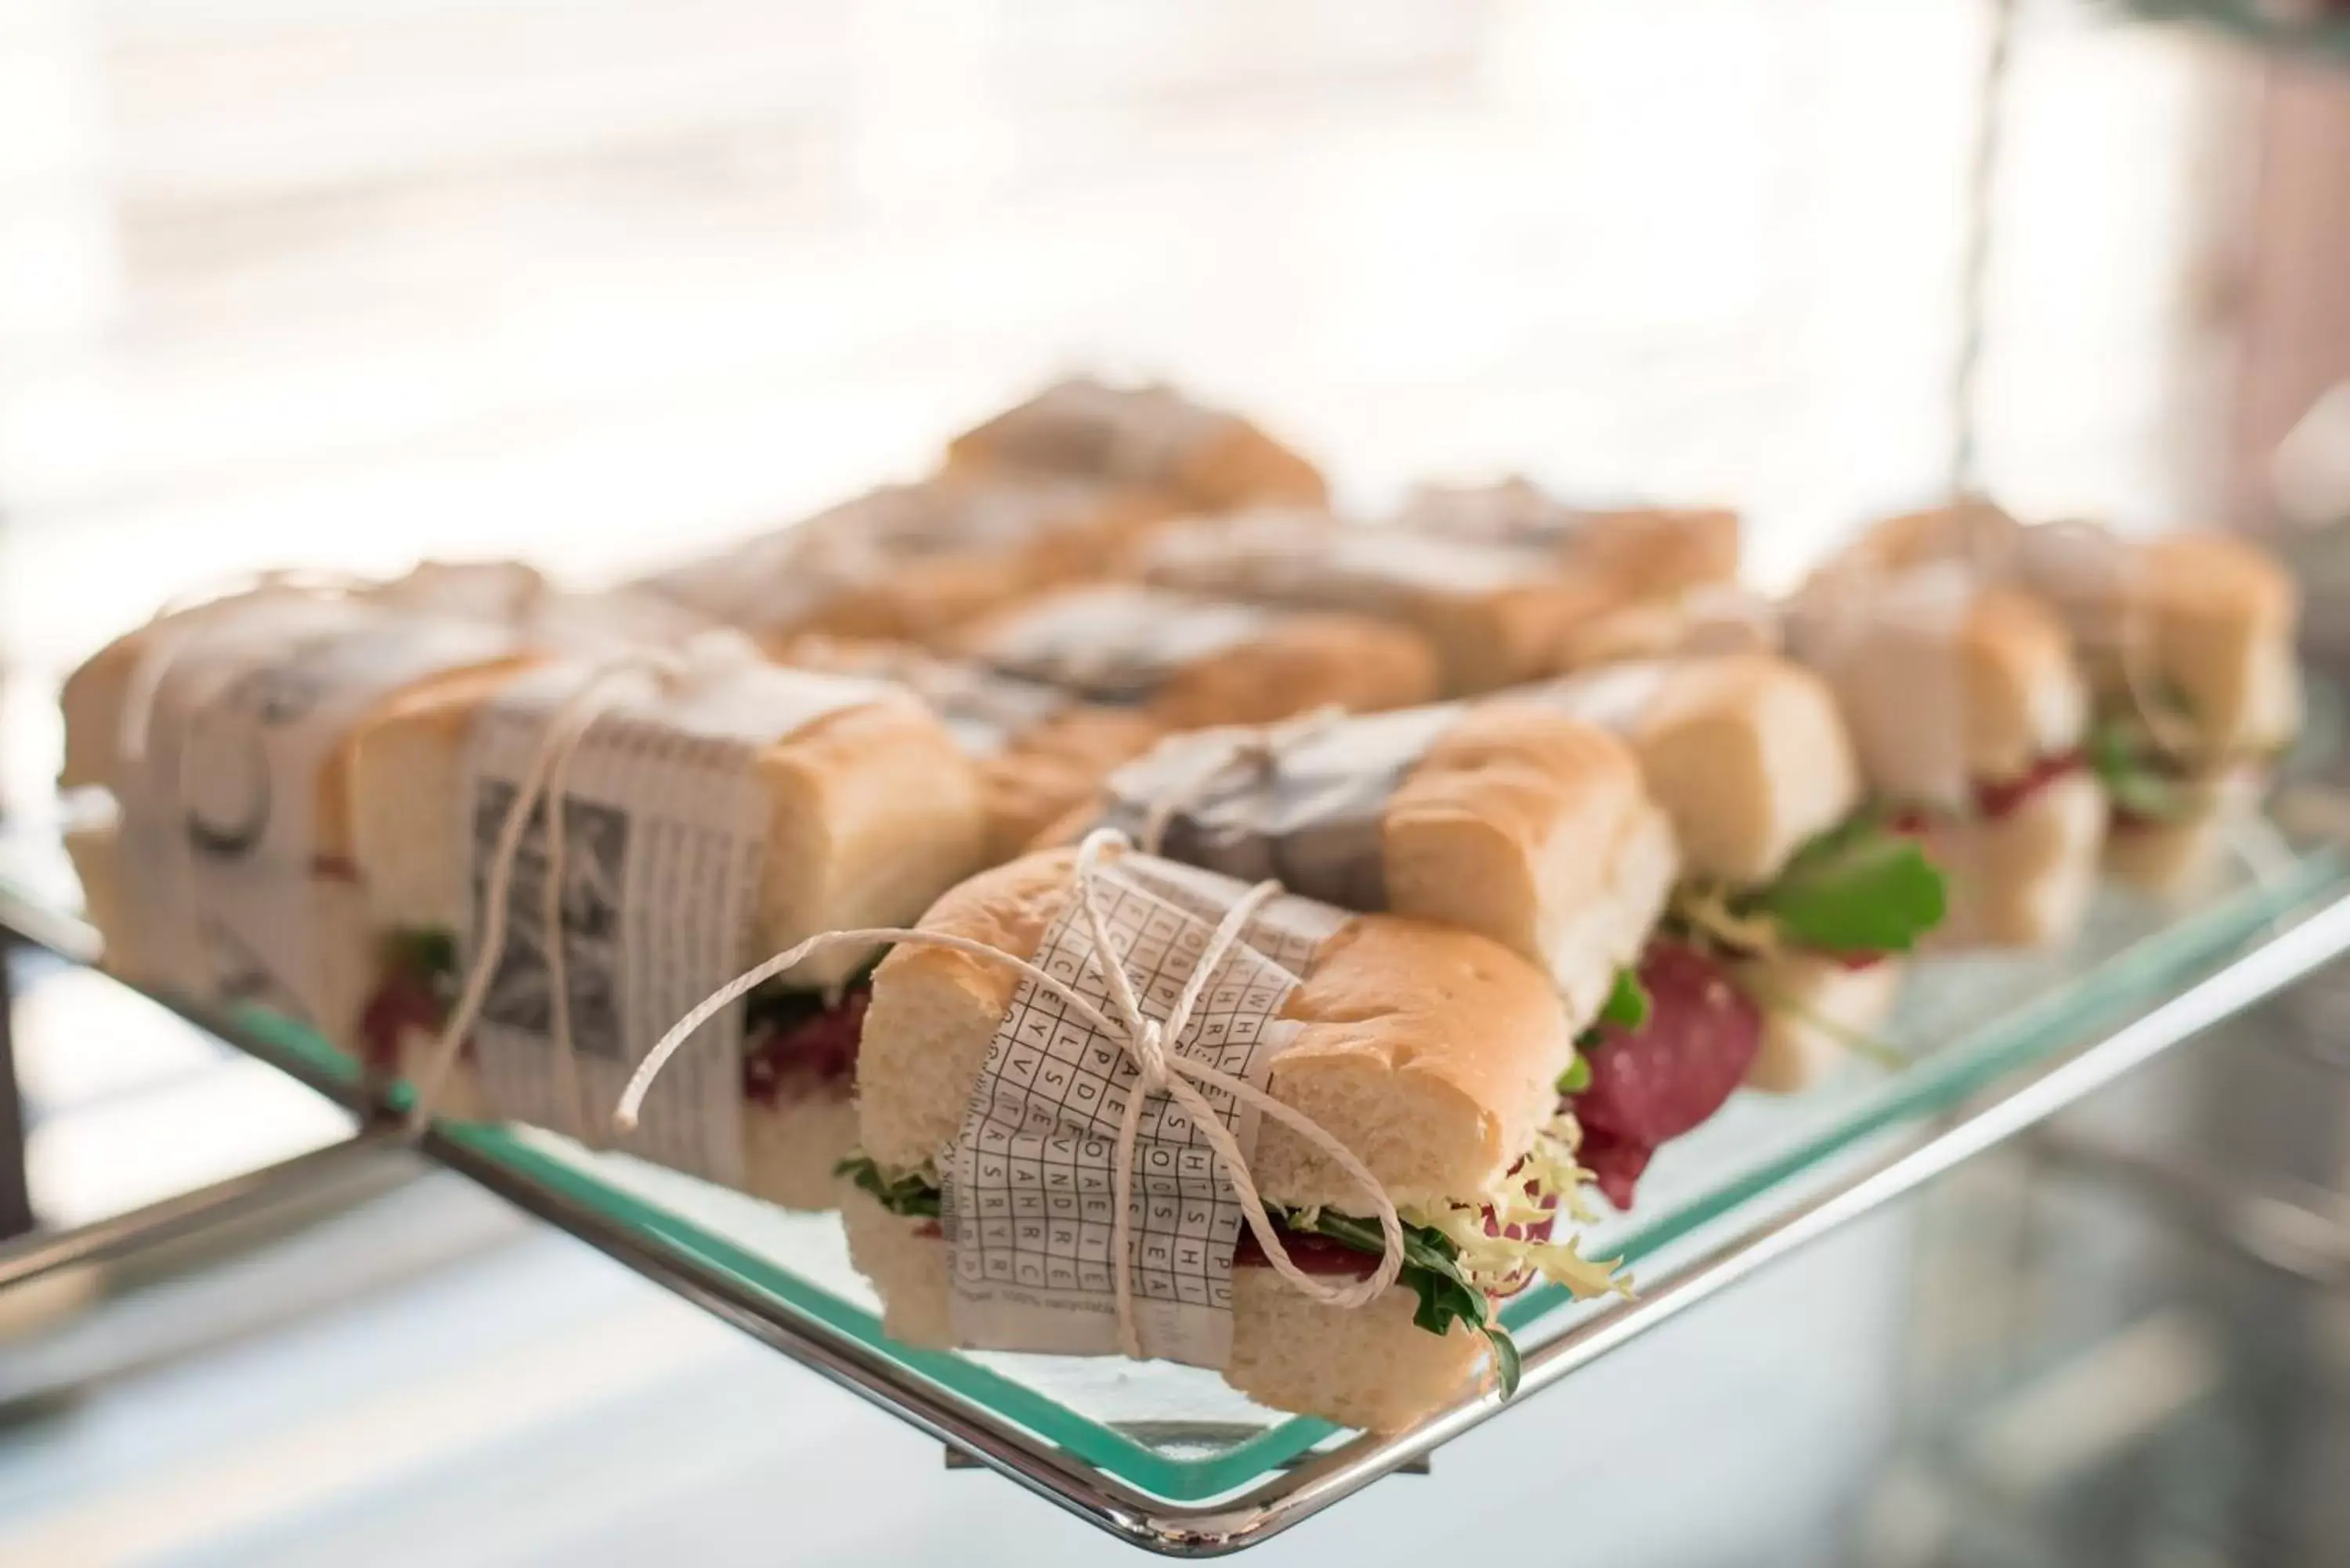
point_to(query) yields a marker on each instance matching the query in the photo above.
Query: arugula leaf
(1506, 1357)
(426, 953)
(2125, 765)
(1857, 888)
(1578, 1076)
(1432, 1270)
(909, 1194)
(1626, 1007)
(1628, 1002)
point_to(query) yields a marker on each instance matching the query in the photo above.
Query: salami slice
(1667, 1077)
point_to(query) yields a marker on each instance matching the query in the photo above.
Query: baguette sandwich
(1523, 819)
(868, 810)
(908, 561)
(225, 872)
(1428, 1052)
(1495, 614)
(1783, 946)
(1649, 551)
(2188, 640)
(1185, 662)
(1039, 750)
(1148, 438)
(1967, 716)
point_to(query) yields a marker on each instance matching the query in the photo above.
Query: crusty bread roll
(1504, 819)
(1186, 663)
(1495, 615)
(1646, 550)
(1943, 682)
(907, 562)
(1370, 1367)
(2022, 878)
(2226, 615)
(1746, 754)
(1040, 752)
(1535, 831)
(1659, 550)
(2175, 858)
(1146, 436)
(2213, 614)
(875, 810)
(1429, 1052)
(1814, 1007)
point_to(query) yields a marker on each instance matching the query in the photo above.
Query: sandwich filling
(798, 1045)
(1461, 1259)
(1676, 1041)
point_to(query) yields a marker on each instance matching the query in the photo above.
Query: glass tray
(1173, 1458)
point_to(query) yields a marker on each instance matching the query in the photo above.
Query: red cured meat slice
(2003, 797)
(818, 1050)
(404, 1001)
(1701, 1035)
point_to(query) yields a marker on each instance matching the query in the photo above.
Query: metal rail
(1323, 1478)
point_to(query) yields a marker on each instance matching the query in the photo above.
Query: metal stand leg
(32, 1256)
(16, 1202)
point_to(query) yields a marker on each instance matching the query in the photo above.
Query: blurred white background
(601, 280)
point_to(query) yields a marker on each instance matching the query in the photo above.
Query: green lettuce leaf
(909, 1194)
(2125, 763)
(1431, 1271)
(1626, 1007)
(1857, 888)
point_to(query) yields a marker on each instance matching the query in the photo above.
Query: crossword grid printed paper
(1028, 1186)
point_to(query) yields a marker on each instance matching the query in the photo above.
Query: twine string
(1185, 1081)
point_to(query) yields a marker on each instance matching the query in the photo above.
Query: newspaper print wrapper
(1117, 643)
(1028, 1205)
(222, 815)
(1123, 435)
(1890, 648)
(985, 711)
(1613, 698)
(665, 823)
(1307, 812)
(1308, 558)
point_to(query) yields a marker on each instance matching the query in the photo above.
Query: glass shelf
(1173, 1458)
(2269, 24)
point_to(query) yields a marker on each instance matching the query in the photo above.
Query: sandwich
(224, 871)
(1780, 951)
(1967, 715)
(2188, 641)
(1427, 1052)
(908, 561)
(732, 816)
(523, 600)
(1494, 613)
(1649, 551)
(1528, 829)
(1524, 819)
(1150, 438)
(1039, 750)
(1760, 953)
(1186, 663)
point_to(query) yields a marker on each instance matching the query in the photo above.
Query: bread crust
(1391, 1013)
(2025, 695)
(1225, 463)
(1748, 755)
